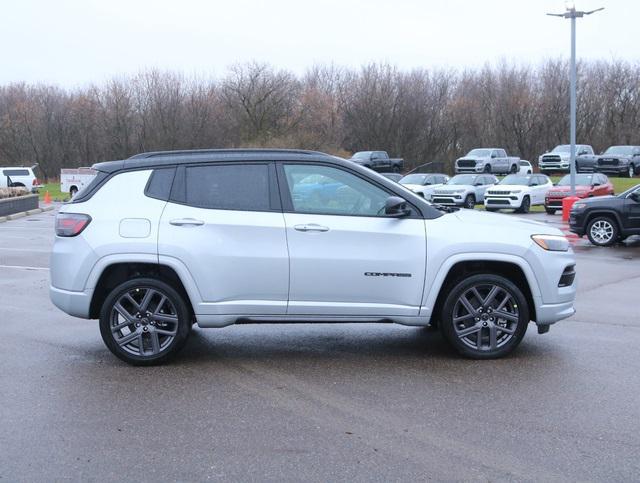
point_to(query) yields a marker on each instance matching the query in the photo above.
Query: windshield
(362, 155)
(462, 179)
(516, 179)
(416, 179)
(581, 180)
(619, 150)
(563, 148)
(481, 153)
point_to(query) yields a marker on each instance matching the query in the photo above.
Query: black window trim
(178, 190)
(287, 203)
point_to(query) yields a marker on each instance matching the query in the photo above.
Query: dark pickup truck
(378, 161)
(619, 160)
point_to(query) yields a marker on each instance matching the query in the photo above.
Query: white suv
(518, 192)
(164, 240)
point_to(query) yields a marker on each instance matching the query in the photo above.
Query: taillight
(71, 224)
(35, 182)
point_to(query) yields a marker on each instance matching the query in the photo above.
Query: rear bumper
(73, 303)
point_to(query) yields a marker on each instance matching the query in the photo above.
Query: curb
(22, 214)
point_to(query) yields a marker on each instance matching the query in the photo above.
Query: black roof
(171, 158)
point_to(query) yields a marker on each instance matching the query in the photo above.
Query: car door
(346, 257)
(540, 191)
(225, 224)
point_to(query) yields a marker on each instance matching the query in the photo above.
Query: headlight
(515, 192)
(552, 243)
(578, 206)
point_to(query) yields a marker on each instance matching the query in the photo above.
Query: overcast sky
(76, 42)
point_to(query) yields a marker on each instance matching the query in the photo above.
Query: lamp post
(573, 14)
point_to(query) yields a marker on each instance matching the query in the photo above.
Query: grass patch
(54, 192)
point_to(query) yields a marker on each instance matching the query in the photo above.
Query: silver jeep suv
(162, 241)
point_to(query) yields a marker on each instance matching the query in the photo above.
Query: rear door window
(244, 187)
(16, 172)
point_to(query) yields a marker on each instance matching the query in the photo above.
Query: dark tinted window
(160, 183)
(16, 172)
(228, 187)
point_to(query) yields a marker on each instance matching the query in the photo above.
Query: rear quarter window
(228, 187)
(160, 182)
(16, 172)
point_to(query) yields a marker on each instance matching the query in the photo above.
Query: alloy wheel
(143, 321)
(602, 232)
(485, 317)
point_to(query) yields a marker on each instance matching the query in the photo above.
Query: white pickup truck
(19, 176)
(73, 180)
(488, 160)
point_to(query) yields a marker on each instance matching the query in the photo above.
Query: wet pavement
(319, 402)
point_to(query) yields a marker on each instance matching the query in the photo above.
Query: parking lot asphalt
(319, 402)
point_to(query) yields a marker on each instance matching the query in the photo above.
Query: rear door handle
(311, 227)
(186, 222)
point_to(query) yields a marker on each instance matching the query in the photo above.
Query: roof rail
(192, 152)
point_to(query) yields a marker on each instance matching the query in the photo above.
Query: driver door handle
(186, 222)
(311, 227)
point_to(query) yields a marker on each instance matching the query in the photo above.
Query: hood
(507, 187)
(504, 222)
(450, 188)
(421, 187)
(615, 156)
(565, 190)
(608, 201)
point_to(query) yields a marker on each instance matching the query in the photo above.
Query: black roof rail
(195, 152)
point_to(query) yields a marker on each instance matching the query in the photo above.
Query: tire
(524, 207)
(603, 231)
(142, 302)
(471, 326)
(632, 171)
(73, 191)
(396, 169)
(487, 168)
(470, 202)
(529, 171)
(513, 169)
(550, 211)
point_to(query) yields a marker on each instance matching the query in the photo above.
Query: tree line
(423, 115)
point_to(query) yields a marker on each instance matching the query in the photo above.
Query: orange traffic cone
(47, 198)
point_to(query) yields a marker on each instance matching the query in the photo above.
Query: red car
(587, 185)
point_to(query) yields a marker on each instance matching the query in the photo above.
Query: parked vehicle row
(615, 160)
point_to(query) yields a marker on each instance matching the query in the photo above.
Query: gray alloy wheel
(602, 231)
(144, 321)
(485, 316)
(470, 202)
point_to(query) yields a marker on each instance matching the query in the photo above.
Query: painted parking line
(23, 267)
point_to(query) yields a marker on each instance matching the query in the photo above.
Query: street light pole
(573, 14)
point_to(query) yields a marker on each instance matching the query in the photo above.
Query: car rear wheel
(524, 207)
(470, 202)
(550, 211)
(73, 191)
(484, 316)
(602, 231)
(144, 321)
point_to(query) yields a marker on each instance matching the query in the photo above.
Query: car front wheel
(144, 321)
(602, 231)
(484, 316)
(524, 207)
(470, 202)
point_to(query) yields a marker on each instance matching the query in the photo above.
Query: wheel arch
(117, 272)
(513, 268)
(608, 213)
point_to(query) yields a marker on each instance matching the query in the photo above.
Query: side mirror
(478, 184)
(533, 184)
(493, 156)
(635, 196)
(396, 207)
(596, 184)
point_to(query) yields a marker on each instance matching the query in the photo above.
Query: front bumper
(478, 168)
(502, 201)
(73, 303)
(554, 167)
(611, 169)
(547, 314)
(577, 222)
(448, 200)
